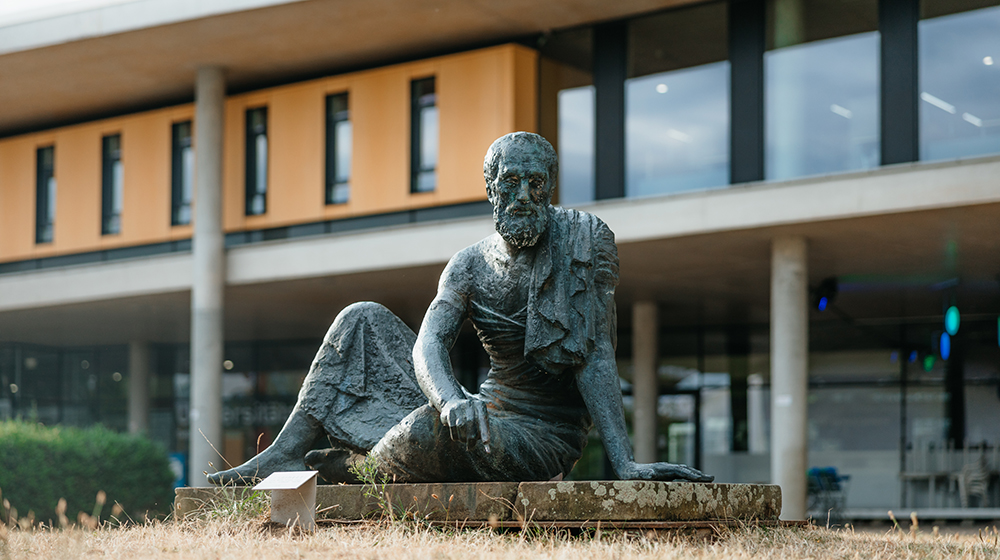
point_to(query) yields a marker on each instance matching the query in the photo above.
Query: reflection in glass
(424, 136)
(576, 145)
(182, 174)
(256, 162)
(338, 149)
(960, 84)
(45, 194)
(677, 102)
(677, 130)
(821, 107)
(112, 199)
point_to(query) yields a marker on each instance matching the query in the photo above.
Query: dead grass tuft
(257, 538)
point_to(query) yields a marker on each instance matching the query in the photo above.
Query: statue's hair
(517, 141)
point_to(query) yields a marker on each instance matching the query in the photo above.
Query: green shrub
(39, 465)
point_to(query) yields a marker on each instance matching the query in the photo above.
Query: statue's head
(520, 170)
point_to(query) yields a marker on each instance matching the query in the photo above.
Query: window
(959, 78)
(677, 102)
(821, 80)
(566, 110)
(256, 177)
(45, 194)
(423, 136)
(112, 185)
(338, 149)
(181, 173)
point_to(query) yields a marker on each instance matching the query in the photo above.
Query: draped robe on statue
(363, 390)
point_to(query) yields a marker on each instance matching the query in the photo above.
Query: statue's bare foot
(256, 469)
(334, 464)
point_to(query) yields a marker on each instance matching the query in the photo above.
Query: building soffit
(126, 55)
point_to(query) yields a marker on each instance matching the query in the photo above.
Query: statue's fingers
(484, 423)
(695, 475)
(470, 422)
(449, 418)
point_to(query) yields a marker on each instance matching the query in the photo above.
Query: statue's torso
(498, 302)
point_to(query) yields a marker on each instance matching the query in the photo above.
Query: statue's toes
(218, 478)
(233, 477)
(316, 457)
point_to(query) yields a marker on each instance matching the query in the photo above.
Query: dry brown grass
(225, 539)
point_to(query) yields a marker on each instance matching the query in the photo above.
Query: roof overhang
(117, 56)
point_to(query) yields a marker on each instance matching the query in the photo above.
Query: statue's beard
(520, 230)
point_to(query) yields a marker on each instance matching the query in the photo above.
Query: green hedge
(39, 465)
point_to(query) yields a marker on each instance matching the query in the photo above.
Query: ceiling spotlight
(661, 88)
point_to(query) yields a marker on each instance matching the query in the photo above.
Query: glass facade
(256, 161)
(181, 173)
(69, 386)
(566, 99)
(821, 102)
(959, 79)
(821, 84)
(338, 149)
(867, 382)
(677, 102)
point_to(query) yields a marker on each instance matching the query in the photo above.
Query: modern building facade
(801, 191)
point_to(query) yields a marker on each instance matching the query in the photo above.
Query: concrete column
(789, 372)
(645, 389)
(756, 415)
(138, 387)
(209, 277)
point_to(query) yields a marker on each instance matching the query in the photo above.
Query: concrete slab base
(504, 503)
(537, 502)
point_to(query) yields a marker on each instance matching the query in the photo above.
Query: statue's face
(520, 196)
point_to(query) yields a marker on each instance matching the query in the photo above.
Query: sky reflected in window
(960, 85)
(677, 130)
(576, 145)
(821, 107)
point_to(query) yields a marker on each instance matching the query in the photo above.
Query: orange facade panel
(480, 95)
(77, 225)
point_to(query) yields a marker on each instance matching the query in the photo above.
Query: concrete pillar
(789, 372)
(209, 277)
(756, 415)
(138, 387)
(645, 389)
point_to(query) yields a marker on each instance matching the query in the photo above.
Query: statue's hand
(665, 472)
(467, 420)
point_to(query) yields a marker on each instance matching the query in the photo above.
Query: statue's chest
(505, 288)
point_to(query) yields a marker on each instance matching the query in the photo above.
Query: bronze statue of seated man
(540, 294)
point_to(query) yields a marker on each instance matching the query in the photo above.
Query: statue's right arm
(431, 359)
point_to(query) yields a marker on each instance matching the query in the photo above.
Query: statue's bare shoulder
(470, 269)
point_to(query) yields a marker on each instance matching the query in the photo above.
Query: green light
(929, 362)
(952, 320)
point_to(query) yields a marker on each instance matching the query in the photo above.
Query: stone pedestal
(504, 503)
(629, 500)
